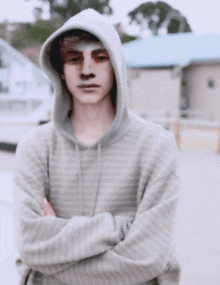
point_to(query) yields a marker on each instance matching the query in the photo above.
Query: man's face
(88, 72)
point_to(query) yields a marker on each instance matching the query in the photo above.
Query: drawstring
(98, 175)
(80, 176)
(99, 152)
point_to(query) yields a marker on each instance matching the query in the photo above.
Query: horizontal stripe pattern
(132, 190)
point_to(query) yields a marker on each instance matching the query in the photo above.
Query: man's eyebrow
(72, 51)
(100, 50)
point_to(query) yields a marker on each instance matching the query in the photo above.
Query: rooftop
(171, 50)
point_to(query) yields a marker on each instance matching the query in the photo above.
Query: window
(3, 88)
(210, 83)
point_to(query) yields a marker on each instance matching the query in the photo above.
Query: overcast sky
(203, 16)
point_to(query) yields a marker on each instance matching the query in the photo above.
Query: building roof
(32, 53)
(171, 50)
(14, 53)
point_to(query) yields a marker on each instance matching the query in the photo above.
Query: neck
(90, 122)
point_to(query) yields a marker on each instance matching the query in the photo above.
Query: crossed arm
(128, 263)
(108, 251)
(50, 244)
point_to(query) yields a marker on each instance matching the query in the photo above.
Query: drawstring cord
(98, 175)
(80, 176)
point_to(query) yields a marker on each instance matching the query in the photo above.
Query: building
(178, 74)
(23, 86)
(32, 53)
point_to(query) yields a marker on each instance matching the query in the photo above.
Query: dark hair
(57, 51)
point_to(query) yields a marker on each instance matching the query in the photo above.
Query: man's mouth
(88, 86)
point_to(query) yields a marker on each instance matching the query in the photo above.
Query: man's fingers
(47, 208)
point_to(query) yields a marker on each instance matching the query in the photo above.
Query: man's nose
(87, 69)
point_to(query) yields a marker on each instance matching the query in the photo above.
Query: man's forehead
(83, 46)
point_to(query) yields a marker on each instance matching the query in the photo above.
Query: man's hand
(47, 209)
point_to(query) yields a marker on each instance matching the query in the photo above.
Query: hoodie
(115, 200)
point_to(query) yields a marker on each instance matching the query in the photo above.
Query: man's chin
(90, 99)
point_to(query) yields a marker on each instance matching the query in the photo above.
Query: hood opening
(100, 28)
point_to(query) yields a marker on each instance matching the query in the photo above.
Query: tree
(66, 8)
(127, 38)
(122, 33)
(157, 16)
(30, 35)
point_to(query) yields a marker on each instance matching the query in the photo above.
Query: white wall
(154, 89)
(27, 86)
(24, 83)
(204, 101)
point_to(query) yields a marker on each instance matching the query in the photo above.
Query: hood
(94, 23)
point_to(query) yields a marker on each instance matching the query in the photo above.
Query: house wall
(22, 85)
(202, 83)
(26, 82)
(154, 90)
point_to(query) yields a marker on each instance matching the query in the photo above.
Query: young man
(108, 176)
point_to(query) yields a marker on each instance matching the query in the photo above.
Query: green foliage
(156, 15)
(174, 26)
(71, 7)
(127, 38)
(36, 34)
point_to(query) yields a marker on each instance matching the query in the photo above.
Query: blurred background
(172, 54)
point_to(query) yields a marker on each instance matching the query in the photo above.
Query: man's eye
(75, 59)
(102, 58)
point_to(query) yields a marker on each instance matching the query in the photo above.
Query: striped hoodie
(115, 200)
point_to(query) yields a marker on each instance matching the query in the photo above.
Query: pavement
(197, 226)
(197, 138)
(197, 230)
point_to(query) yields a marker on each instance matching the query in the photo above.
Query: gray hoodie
(115, 200)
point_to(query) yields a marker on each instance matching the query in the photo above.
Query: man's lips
(88, 85)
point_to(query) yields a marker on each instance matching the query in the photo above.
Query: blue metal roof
(171, 50)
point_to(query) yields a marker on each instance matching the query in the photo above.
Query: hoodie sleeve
(146, 252)
(50, 244)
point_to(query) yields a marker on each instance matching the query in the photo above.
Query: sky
(203, 16)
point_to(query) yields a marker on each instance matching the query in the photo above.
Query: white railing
(195, 124)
